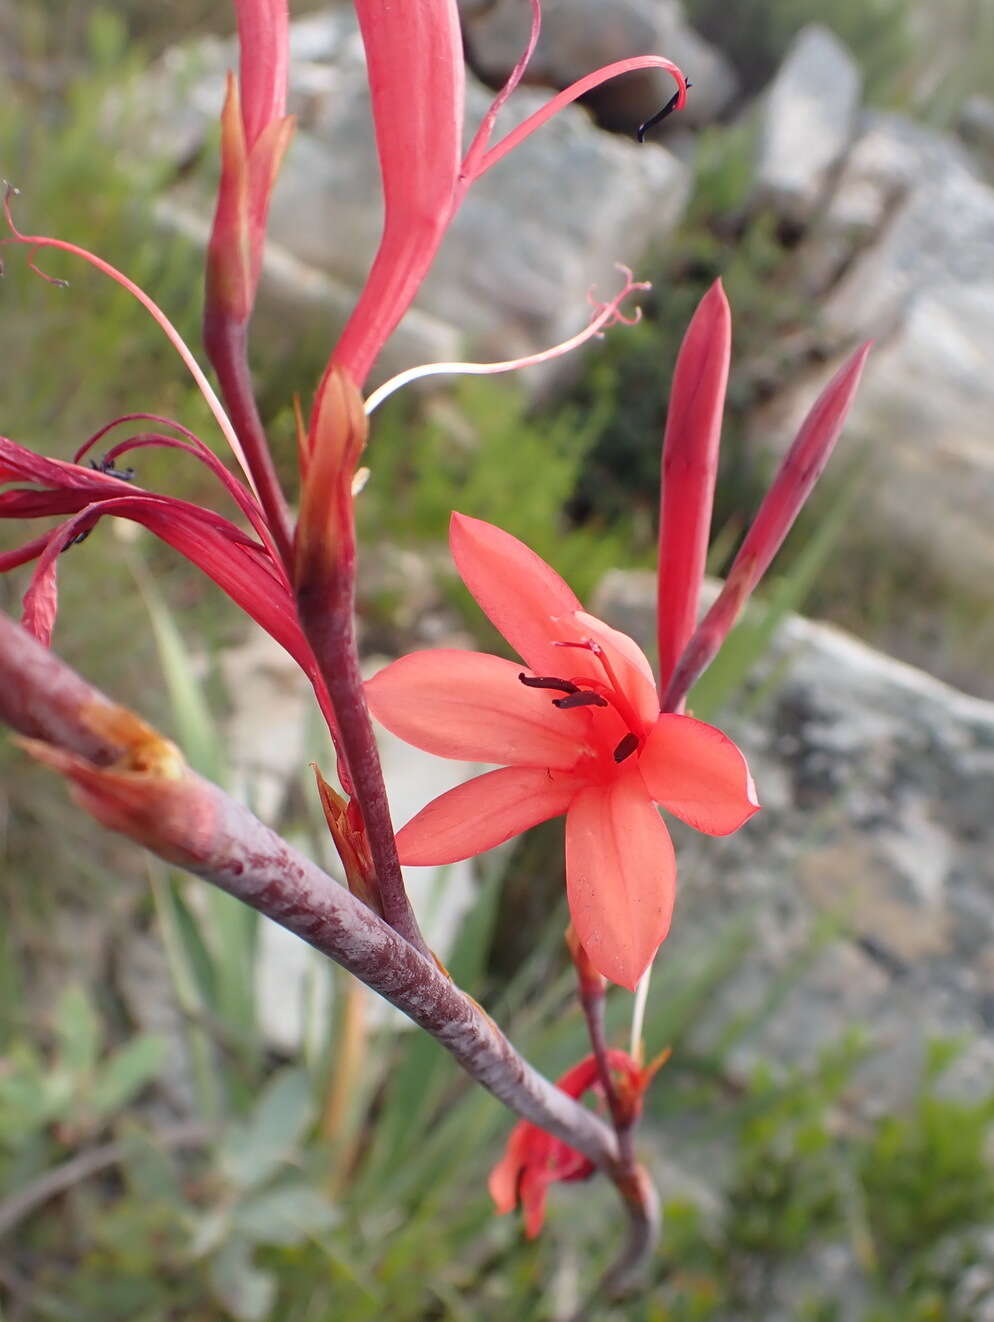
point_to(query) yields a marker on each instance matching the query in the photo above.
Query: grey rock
(580, 35)
(806, 123)
(904, 251)
(516, 267)
(877, 783)
(976, 127)
(145, 984)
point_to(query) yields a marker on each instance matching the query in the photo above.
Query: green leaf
(254, 1150)
(78, 1030)
(31, 1094)
(193, 979)
(287, 1215)
(210, 1231)
(126, 1072)
(246, 1292)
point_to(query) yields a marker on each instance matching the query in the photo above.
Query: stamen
(660, 115)
(615, 692)
(77, 540)
(106, 465)
(580, 699)
(626, 747)
(547, 682)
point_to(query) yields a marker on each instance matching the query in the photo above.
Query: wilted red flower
(533, 1159)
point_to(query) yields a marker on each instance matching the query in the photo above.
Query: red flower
(534, 1159)
(414, 56)
(579, 733)
(246, 567)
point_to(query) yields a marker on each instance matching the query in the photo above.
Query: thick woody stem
(226, 343)
(201, 827)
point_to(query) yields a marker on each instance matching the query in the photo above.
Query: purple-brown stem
(324, 577)
(225, 340)
(592, 1003)
(642, 1205)
(338, 661)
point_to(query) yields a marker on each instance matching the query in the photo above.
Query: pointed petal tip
(513, 586)
(716, 297)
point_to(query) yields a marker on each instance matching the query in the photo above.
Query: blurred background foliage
(327, 1185)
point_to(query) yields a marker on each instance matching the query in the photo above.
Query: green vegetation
(288, 1204)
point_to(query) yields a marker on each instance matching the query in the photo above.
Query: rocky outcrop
(877, 783)
(580, 35)
(807, 121)
(897, 245)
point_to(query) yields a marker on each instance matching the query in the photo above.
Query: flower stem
(194, 824)
(329, 623)
(199, 827)
(592, 1003)
(227, 348)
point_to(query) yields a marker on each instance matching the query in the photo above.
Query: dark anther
(660, 115)
(547, 682)
(77, 540)
(579, 699)
(626, 747)
(106, 465)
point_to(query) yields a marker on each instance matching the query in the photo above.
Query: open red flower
(579, 732)
(534, 1159)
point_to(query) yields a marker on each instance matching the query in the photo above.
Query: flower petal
(519, 593)
(264, 55)
(690, 466)
(698, 774)
(483, 813)
(473, 706)
(799, 470)
(620, 876)
(628, 662)
(505, 1177)
(417, 77)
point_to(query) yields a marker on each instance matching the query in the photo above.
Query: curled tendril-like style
(606, 314)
